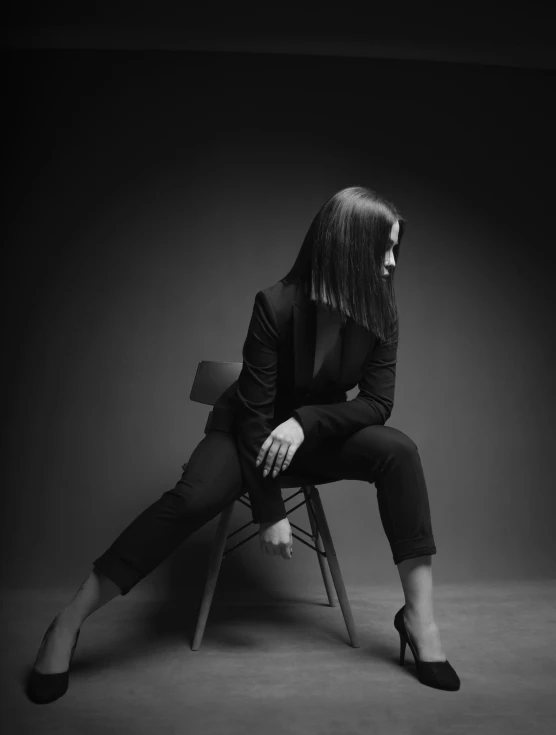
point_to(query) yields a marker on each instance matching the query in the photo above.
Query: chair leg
(334, 565)
(215, 560)
(327, 579)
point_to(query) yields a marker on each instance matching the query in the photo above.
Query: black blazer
(275, 384)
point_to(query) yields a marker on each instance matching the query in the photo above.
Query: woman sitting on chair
(330, 324)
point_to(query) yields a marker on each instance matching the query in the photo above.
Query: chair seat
(288, 482)
(292, 481)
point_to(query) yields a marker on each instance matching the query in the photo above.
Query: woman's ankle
(95, 591)
(421, 613)
(69, 619)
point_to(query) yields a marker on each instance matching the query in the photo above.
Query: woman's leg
(211, 481)
(416, 578)
(388, 458)
(55, 650)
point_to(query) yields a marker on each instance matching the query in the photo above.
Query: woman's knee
(389, 442)
(401, 443)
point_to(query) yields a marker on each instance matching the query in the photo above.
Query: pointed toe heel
(46, 688)
(436, 674)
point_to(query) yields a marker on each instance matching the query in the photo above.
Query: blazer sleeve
(256, 392)
(372, 405)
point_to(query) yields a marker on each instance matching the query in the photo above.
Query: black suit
(343, 440)
(275, 384)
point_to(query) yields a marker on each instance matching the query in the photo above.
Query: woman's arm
(372, 405)
(256, 392)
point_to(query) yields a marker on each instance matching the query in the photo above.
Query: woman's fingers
(270, 456)
(283, 464)
(280, 456)
(283, 550)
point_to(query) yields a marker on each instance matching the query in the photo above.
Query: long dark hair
(340, 261)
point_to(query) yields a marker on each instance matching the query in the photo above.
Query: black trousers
(381, 455)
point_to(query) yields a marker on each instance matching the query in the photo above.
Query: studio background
(147, 189)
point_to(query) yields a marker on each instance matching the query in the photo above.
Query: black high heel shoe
(437, 674)
(45, 688)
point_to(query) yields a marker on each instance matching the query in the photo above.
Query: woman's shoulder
(282, 295)
(280, 290)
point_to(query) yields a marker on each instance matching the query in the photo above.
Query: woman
(331, 323)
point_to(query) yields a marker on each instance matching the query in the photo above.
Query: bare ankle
(421, 613)
(95, 591)
(69, 620)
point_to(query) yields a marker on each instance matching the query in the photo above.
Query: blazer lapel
(356, 343)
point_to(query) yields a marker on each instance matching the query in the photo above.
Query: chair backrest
(212, 379)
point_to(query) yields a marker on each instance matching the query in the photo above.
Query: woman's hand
(282, 443)
(276, 538)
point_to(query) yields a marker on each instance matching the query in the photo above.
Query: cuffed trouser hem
(118, 571)
(413, 547)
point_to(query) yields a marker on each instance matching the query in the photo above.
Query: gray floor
(285, 665)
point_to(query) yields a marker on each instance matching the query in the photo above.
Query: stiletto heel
(402, 650)
(45, 688)
(437, 674)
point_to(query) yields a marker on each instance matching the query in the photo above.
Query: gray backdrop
(153, 194)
